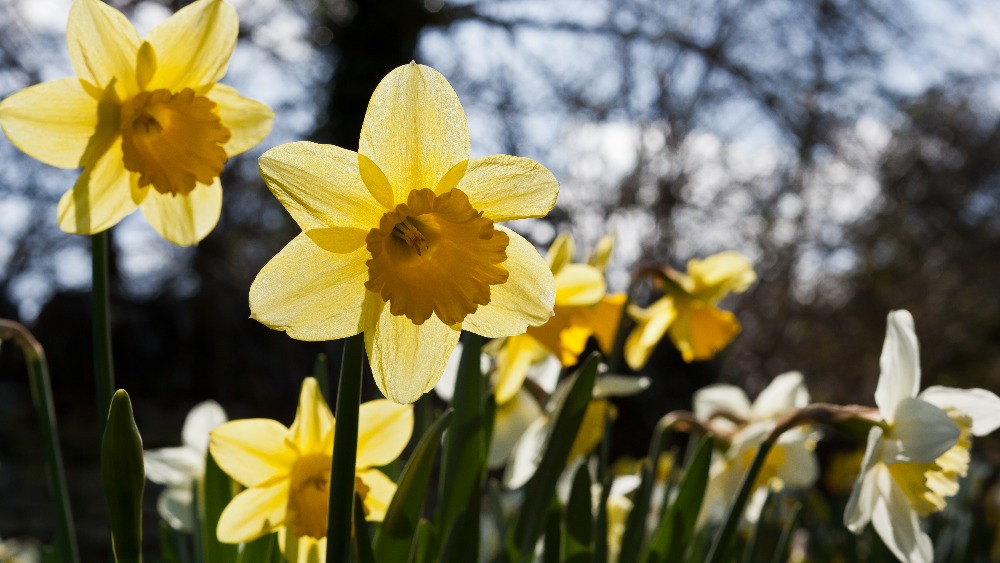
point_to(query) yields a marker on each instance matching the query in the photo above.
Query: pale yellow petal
(415, 129)
(513, 360)
(380, 492)
(525, 299)
(384, 429)
(253, 513)
(193, 46)
(301, 549)
(507, 187)
(252, 451)
(103, 47)
(310, 292)
(101, 196)
(651, 324)
(560, 252)
(701, 330)
(716, 276)
(52, 122)
(313, 420)
(579, 285)
(601, 254)
(320, 186)
(407, 360)
(184, 219)
(248, 121)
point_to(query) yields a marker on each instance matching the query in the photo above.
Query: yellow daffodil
(144, 118)
(913, 462)
(400, 240)
(697, 327)
(287, 470)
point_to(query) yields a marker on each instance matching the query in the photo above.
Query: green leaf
(601, 524)
(760, 546)
(724, 539)
(542, 485)
(169, 544)
(218, 492)
(579, 517)
(553, 535)
(321, 372)
(420, 550)
(781, 551)
(635, 525)
(259, 550)
(393, 540)
(345, 450)
(674, 532)
(124, 477)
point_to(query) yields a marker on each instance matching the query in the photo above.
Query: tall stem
(345, 451)
(103, 367)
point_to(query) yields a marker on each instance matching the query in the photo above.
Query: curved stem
(103, 368)
(41, 395)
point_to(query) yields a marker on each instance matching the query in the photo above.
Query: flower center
(435, 254)
(173, 141)
(928, 485)
(309, 495)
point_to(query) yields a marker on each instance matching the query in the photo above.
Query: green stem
(103, 367)
(41, 395)
(345, 451)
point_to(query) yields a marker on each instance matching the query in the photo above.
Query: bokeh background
(850, 148)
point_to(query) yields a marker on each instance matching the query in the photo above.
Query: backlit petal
(415, 129)
(380, 492)
(619, 386)
(184, 219)
(784, 393)
(579, 285)
(721, 398)
(311, 293)
(248, 121)
(193, 46)
(176, 507)
(202, 419)
(652, 324)
(897, 524)
(799, 467)
(921, 432)
(101, 196)
(407, 360)
(173, 467)
(320, 186)
(507, 187)
(384, 429)
(313, 420)
(512, 362)
(900, 364)
(103, 46)
(526, 298)
(604, 319)
(252, 451)
(861, 503)
(982, 406)
(254, 513)
(716, 276)
(565, 335)
(52, 122)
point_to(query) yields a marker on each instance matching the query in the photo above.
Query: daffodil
(287, 471)
(146, 119)
(400, 240)
(914, 460)
(688, 310)
(179, 468)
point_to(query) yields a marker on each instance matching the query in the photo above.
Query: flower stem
(41, 395)
(345, 451)
(103, 368)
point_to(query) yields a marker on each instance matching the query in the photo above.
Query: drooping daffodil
(688, 312)
(146, 119)
(791, 461)
(287, 470)
(914, 460)
(400, 240)
(179, 468)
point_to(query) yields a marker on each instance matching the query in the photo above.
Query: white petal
(445, 388)
(202, 419)
(173, 467)
(624, 484)
(784, 393)
(897, 524)
(619, 386)
(526, 456)
(981, 405)
(512, 419)
(721, 398)
(859, 508)
(921, 433)
(176, 506)
(900, 364)
(799, 468)
(546, 373)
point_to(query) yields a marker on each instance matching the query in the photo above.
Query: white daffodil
(914, 460)
(791, 461)
(20, 551)
(179, 468)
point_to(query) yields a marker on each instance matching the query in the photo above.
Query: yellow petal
(591, 428)
(415, 129)
(603, 319)
(384, 429)
(507, 187)
(248, 121)
(193, 46)
(525, 299)
(252, 451)
(253, 513)
(565, 335)
(101, 196)
(602, 252)
(52, 122)
(579, 285)
(513, 360)
(702, 330)
(313, 423)
(320, 186)
(103, 47)
(720, 274)
(560, 253)
(652, 324)
(311, 293)
(407, 360)
(380, 492)
(301, 549)
(184, 219)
